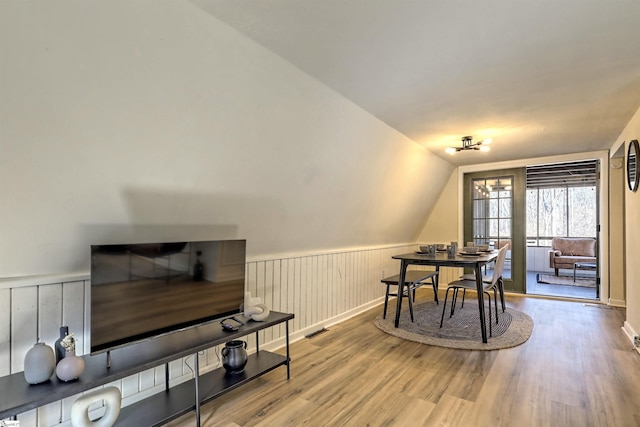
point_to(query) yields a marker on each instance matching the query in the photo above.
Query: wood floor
(577, 369)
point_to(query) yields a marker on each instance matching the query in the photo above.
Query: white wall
(617, 255)
(442, 224)
(151, 120)
(631, 234)
(538, 259)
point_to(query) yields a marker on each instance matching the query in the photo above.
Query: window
(493, 214)
(492, 210)
(561, 201)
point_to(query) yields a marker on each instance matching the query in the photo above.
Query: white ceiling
(538, 77)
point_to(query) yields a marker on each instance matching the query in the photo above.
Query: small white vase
(70, 367)
(39, 363)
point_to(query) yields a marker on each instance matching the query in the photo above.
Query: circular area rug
(462, 330)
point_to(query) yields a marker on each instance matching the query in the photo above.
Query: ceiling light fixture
(468, 144)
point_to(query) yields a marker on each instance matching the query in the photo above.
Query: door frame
(518, 280)
(603, 237)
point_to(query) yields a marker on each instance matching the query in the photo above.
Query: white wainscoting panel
(538, 259)
(320, 289)
(5, 332)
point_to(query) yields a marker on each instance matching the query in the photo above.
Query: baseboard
(631, 334)
(617, 303)
(309, 330)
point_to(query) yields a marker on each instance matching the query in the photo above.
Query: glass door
(494, 215)
(562, 201)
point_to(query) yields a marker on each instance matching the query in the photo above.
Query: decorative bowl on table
(428, 249)
(483, 248)
(470, 250)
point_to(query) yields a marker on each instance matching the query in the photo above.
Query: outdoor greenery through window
(558, 207)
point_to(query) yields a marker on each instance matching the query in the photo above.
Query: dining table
(443, 259)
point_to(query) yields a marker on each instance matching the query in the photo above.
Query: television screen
(139, 291)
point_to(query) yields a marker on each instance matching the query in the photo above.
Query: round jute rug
(462, 330)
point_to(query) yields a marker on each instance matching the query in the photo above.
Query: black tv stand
(165, 406)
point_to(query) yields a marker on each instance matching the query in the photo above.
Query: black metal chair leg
(495, 301)
(410, 296)
(434, 285)
(501, 285)
(454, 302)
(454, 298)
(444, 306)
(386, 303)
(490, 322)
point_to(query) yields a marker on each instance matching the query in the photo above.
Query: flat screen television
(139, 291)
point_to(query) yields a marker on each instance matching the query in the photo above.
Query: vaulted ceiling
(537, 77)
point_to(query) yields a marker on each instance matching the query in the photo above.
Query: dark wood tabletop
(442, 259)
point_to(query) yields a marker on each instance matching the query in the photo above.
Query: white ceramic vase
(39, 363)
(70, 367)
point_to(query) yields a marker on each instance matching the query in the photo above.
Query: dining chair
(499, 286)
(413, 280)
(470, 284)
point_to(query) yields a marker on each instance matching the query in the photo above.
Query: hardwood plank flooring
(577, 369)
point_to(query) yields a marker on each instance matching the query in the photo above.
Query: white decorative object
(80, 409)
(39, 363)
(254, 309)
(71, 366)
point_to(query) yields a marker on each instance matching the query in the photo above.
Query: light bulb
(450, 150)
(484, 148)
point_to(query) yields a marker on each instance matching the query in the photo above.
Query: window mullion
(566, 210)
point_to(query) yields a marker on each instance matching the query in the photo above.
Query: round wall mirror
(632, 165)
